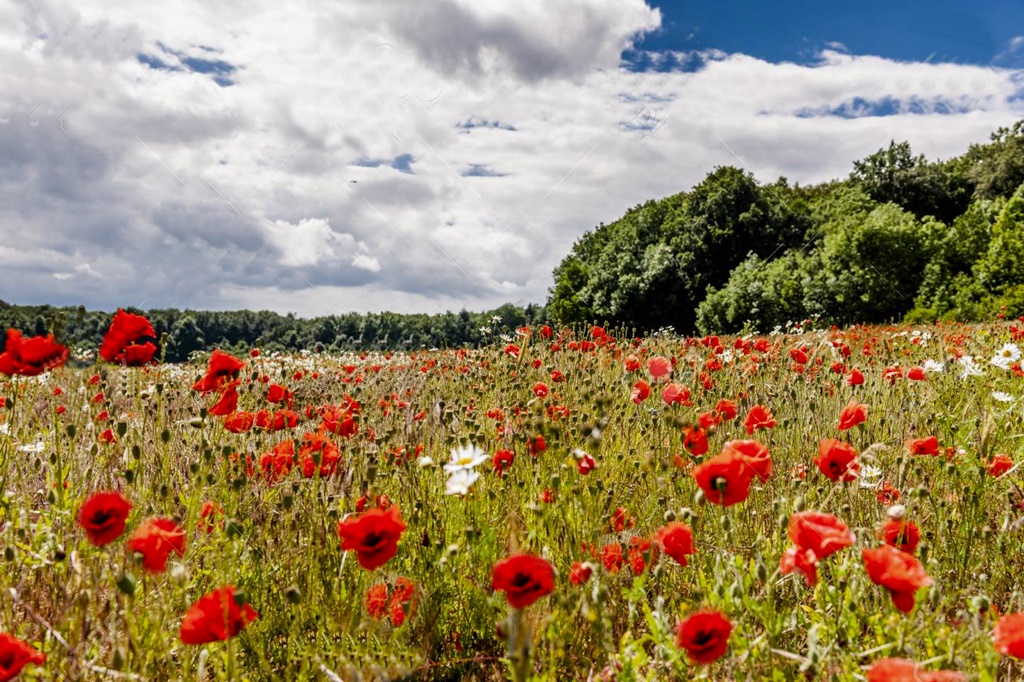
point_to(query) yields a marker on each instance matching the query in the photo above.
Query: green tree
(1003, 264)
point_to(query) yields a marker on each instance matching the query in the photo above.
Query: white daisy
(969, 368)
(1006, 356)
(38, 446)
(460, 481)
(933, 366)
(465, 458)
(1002, 397)
(869, 476)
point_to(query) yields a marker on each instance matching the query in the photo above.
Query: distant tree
(997, 168)
(1003, 264)
(185, 338)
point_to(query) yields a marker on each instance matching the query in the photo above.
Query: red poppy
(377, 600)
(586, 464)
(277, 462)
(103, 517)
(855, 378)
(759, 417)
(318, 455)
(695, 440)
(1008, 635)
(725, 478)
(676, 539)
(15, 654)
(632, 363)
(579, 573)
(278, 394)
(708, 419)
(898, 572)
(536, 445)
(904, 670)
(239, 422)
(924, 446)
(837, 460)
(887, 493)
(802, 560)
(821, 533)
(755, 454)
(403, 601)
(853, 414)
(121, 344)
(903, 535)
(373, 535)
(216, 616)
(523, 578)
(208, 516)
(31, 357)
(916, 374)
(676, 394)
(107, 437)
(502, 461)
(155, 539)
(540, 389)
(726, 409)
(341, 420)
(222, 368)
(641, 390)
(227, 403)
(704, 636)
(999, 465)
(659, 367)
(799, 355)
(612, 557)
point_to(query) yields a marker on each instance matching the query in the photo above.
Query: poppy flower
(129, 340)
(799, 355)
(1008, 635)
(898, 572)
(318, 455)
(208, 516)
(726, 409)
(31, 357)
(837, 460)
(999, 465)
(277, 462)
(580, 573)
(904, 670)
(239, 422)
(373, 535)
(759, 417)
(708, 419)
(659, 367)
(903, 535)
(523, 578)
(853, 414)
(924, 446)
(404, 593)
(502, 461)
(377, 600)
(695, 440)
(855, 378)
(341, 420)
(887, 493)
(916, 374)
(641, 390)
(103, 517)
(801, 560)
(725, 478)
(155, 539)
(704, 636)
(227, 403)
(15, 654)
(216, 616)
(755, 454)
(221, 368)
(612, 557)
(675, 394)
(278, 394)
(540, 389)
(536, 445)
(586, 464)
(821, 533)
(676, 539)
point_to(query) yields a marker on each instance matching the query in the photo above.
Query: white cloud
(332, 173)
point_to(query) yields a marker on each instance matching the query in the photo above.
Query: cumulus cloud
(329, 157)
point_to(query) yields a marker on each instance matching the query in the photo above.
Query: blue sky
(905, 30)
(424, 155)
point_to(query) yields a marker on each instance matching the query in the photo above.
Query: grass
(98, 615)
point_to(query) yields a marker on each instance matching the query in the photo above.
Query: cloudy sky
(424, 155)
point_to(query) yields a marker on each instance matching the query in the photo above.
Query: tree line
(183, 332)
(900, 238)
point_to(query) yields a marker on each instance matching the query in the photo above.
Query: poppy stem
(519, 646)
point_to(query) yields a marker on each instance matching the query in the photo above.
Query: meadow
(832, 504)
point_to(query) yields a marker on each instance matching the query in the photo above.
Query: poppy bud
(293, 595)
(126, 583)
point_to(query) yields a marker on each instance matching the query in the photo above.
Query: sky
(432, 155)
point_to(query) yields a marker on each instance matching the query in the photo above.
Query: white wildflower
(969, 368)
(1006, 356)
(460, 481)
(465, 459)
(933, 366)
(1002, 397)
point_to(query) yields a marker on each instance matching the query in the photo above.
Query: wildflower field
(812, 504)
